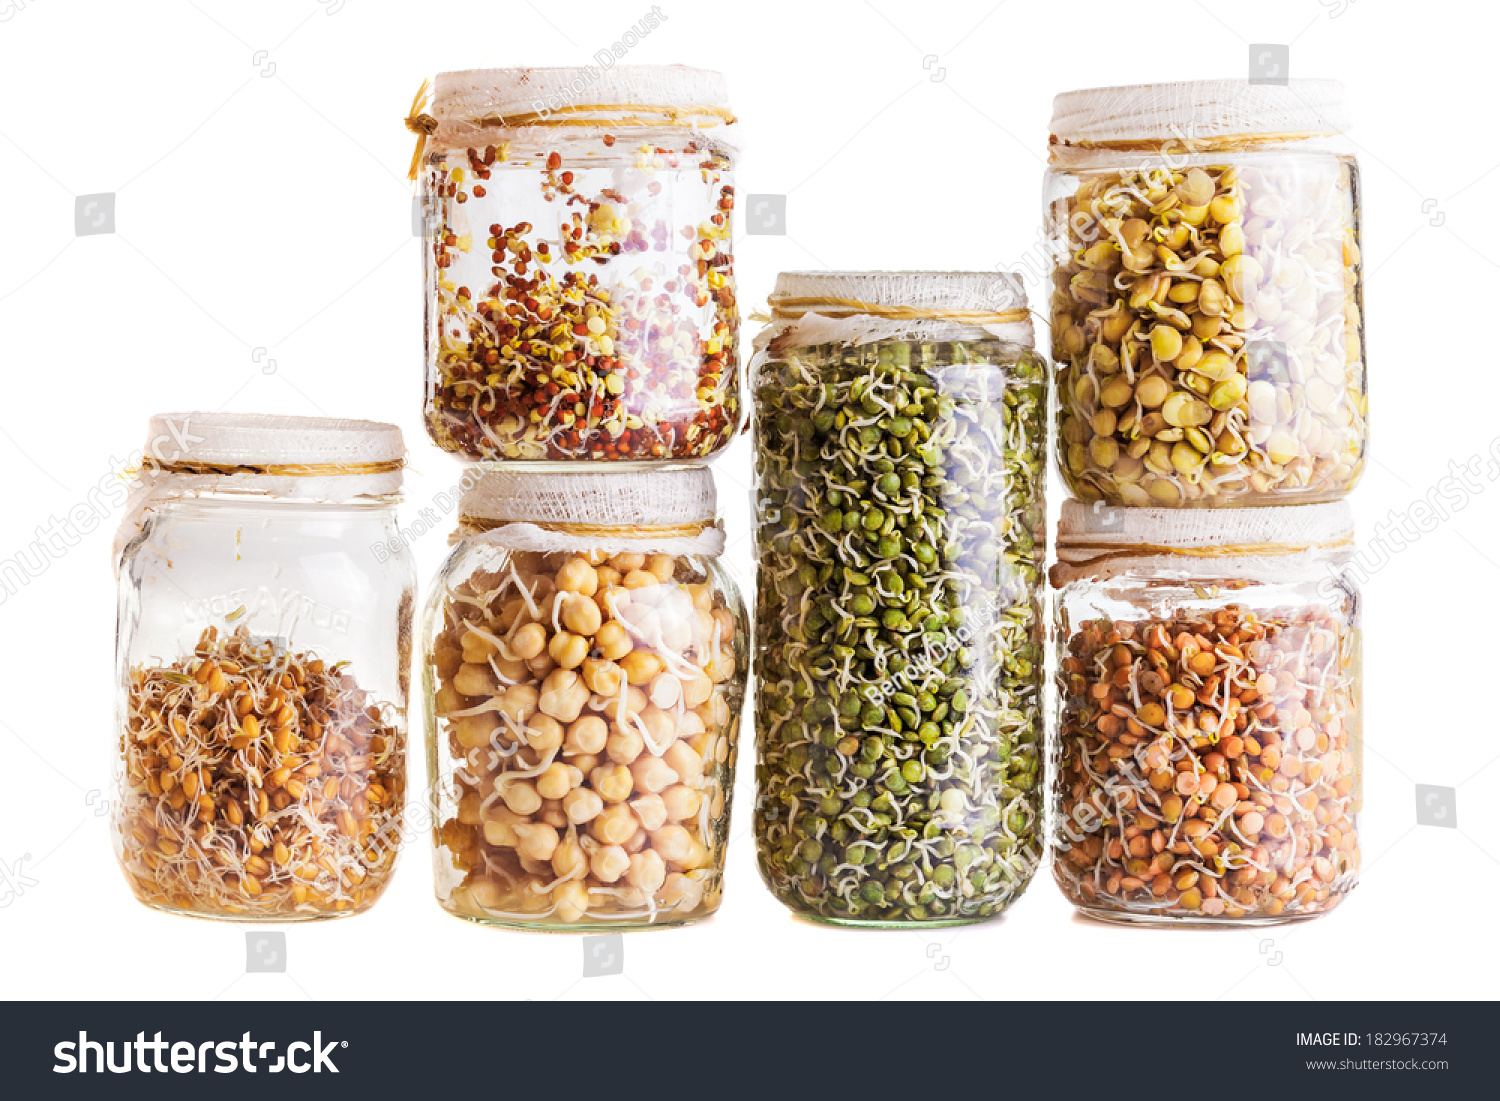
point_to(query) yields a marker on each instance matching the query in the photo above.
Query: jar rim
(1225, 528)
(588, 495)
(460, 109)
(253, 443)
(1191, 112)
(858, 307)
(1098, 541)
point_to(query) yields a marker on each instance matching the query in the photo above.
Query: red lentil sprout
(1208, 766)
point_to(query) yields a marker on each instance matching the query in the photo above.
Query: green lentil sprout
(900, 528)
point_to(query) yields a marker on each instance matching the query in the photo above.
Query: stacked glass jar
(584, 655)
(1208, 342)
(580, 291)
(899, 431)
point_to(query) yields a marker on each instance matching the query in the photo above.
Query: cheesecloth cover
(1296, 542)
(809, 308)
(298, 458)
(664, 511)
(552, 106)
(1198, 116)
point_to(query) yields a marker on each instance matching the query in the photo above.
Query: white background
(269, 209)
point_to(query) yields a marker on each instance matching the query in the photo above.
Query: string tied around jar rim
(322, 459)
(271, 470)
(672, 511)
(1098, 541)
(809, 308)
(701, 538)
(1197, 117)
(828, 306)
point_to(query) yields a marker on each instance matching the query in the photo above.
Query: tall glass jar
(1207, 760)
(584, 668)
(580, 294)
(899, 424)
(263, 650)
(1206, 300)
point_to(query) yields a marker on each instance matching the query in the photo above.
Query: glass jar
(1207, 763)
(580, 294)
(1206, 301)
(585, 666)
(263, 651)
(899, 423)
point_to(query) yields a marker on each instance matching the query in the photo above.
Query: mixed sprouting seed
(1208, 764)
(588, 709)
(898, 713)
(1206, 327)
(256, 782)
(608, 329)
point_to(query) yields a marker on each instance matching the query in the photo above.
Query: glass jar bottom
(1126, 917)
(856, 923)
(612, 466)
(228, 917)
(584, 928)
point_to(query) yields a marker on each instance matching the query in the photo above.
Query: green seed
(884, 613)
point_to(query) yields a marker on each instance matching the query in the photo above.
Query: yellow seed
(1282, 447)
(1117, 391)
(1195, 188)
(1152, 391)
(1227, 394)
(1182, 410)
(1192, 352)
(1185, 458)
(1103, 450)
(1242, 274)
(1166, 343)
(1225, 208)
(1215, 365)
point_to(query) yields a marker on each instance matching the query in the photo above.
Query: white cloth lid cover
(993, 292)
(1098, 523)
(459, 100)
(254, 439)
(1200, 110)
(1095, 541)
(526, 502)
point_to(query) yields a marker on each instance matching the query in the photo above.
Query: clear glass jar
(1207, 760)
(580, 293)
(263, 651)
(1206, 301)
(584, 668)
(899, 439)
